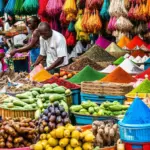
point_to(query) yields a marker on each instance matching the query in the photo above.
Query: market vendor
(33, 44)
(52, 47)
(3, 66)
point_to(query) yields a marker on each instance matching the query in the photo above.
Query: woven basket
(16, 113)
(117, 54)
(100, 88)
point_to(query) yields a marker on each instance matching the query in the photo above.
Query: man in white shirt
(53, 47)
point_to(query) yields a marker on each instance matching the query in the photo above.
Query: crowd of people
(44, 45)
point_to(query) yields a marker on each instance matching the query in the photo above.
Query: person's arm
(29, 46)
(42, 55)
(58, 62)
(39, 59)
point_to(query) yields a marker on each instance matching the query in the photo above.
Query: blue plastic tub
(99, 99)
(85, 120)
(76, 97)
(134, 133)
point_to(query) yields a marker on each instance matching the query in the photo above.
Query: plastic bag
(117, 8)
(104, 11)
(42, 7)
(71, 17)
(93, 4)
(62, 19)
(30, 6)
(131, 12)
(85, 17)
(1, 7)
(69, 6)
(53, 24)
(9, 8)
(112, 24)
(54, 7)
(123, 24)
(70, 38)
(39, 74)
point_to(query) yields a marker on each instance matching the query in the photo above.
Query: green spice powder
(119, 61)
(86, 74)
(144, 87)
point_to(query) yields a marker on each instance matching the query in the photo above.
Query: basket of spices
(101, 88)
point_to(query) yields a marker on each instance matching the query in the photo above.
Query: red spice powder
(62, 82)
(136, 41)
(138, 53)
(142, 75)
(118, 76)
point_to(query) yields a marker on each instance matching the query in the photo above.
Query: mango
(64, 142)
(75, 134)
(74, 143)
(52, 142)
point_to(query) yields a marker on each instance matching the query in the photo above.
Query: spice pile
(86, 74)
(98, 54)
(102, 42)
(109, 69)
(118, 76)
(83, 62)
(144, 87)
(114, 48)
(119, 61)
(130, 67)
(142, 116)
(144, 74)
(123, 41)
(62, 82)
(138, 53)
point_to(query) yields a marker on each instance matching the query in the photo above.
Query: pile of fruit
(52, 117)
(37, 98)
(106, 133)
(66, 138)
(65, 74)
(105, 109)
(17, 132)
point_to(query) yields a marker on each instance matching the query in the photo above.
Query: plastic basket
(88, 119)
(137, 146)
(76, 96)
(134, 133)
(99, 99)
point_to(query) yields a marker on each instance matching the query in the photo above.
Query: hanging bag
(104, 11)
(18, 10)
(54, 7)
(1, 7)
(9, 8)
(30, 6)
(42, 7)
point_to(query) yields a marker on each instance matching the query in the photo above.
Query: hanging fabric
(70, 38)
(63, 20)
(30, 6)
(93, 4)
(104, 11)
(71, 26)
(54, 7)
(9, 8)
(1, 7)
(18, 10)
(69, 6)
(42, 7)
(53, 24)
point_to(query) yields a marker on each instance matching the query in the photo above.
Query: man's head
(45, 30)
(33, 22)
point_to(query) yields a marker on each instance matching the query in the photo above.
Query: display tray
(24, 148)
(16, 113)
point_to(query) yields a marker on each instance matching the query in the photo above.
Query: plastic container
(86, 120)
(134, 133)
(21, 65)
(99, 99)
(147, 64)
(76, 97)
(138, 146)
